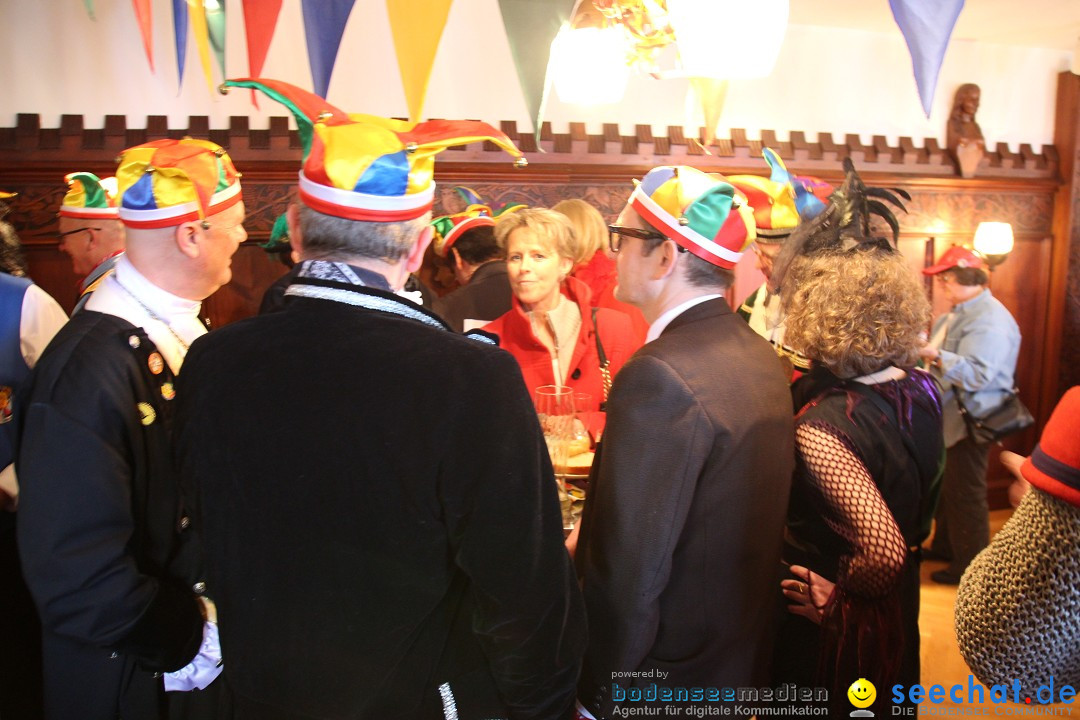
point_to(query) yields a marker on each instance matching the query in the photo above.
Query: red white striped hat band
(353, 205)
(179, 214)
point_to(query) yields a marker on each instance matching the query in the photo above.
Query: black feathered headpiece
(845, 225)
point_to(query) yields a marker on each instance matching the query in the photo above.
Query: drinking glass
(555, 410)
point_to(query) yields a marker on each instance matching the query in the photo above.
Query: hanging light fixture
(728, 39)
(716, 39)
(588, 65)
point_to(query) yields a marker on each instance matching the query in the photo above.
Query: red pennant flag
(142, 12)
(260, 19)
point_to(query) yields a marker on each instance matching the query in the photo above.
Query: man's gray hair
(326, 237)
(702, 274)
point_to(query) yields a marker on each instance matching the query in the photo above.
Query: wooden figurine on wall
(963, 136)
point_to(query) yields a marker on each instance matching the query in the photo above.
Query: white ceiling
(1031, 23)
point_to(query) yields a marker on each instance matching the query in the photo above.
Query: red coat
(616, 334)
(599, 274)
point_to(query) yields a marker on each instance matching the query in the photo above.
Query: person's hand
(929, 353)
(808, 593)
(1019, 487)
(571, 540)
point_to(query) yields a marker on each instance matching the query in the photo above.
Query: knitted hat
(89, 197)
(1054, 465)
(363, 167)
(279, 236)
(700, 212)
(956, 256)
(782, 199)
(168, 182)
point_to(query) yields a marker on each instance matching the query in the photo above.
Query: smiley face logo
(862, 693)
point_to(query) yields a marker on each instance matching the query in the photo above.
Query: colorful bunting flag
(144, 15)
(90, 9)
(180, 28)
(417, 27)
(531, 26)
(260, 19)
(324, 24)
(215, 26)
(711, 93)
(926, 26)
(197, 15)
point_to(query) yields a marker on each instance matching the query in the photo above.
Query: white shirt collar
(665, 319)
(180, 314)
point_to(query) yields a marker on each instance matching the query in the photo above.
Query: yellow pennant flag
(417, 26)
(197, 15)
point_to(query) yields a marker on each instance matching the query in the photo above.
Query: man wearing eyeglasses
(682, 528)
(90, 231)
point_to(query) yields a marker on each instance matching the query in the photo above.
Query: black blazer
(684, 518)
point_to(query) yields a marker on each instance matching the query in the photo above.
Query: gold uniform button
(134, 341)
(146, 413)
(185, 522)
(155, 363)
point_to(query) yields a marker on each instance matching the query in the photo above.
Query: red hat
(1054, 465)
(957, 256)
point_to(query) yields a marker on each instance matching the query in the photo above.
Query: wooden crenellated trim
(608, 148)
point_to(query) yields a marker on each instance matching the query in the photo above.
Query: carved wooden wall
(1022, 188)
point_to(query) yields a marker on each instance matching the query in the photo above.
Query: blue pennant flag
(180, 25)
(926, 25)
(324, 24)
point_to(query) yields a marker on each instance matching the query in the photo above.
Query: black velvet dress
(868, 462)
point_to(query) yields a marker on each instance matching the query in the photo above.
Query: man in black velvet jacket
(383, 532)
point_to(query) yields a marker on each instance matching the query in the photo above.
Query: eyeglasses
(617, 232)
(61, 236)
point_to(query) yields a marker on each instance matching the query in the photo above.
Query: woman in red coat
(550, 329)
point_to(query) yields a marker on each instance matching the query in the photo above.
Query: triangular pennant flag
(180, 27)
(90, 9)
(531, 26)
(417, 26)
(260, 19)
(711, 93)
(324, 24)
(215, 26)
(197, 15)
(926, 26)
(145, 17)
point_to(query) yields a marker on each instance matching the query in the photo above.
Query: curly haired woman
(869, 446)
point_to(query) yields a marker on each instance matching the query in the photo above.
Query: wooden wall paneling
(1063, 313)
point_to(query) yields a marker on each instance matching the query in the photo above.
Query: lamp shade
(728, 38)
(589, 65)
(994, 238)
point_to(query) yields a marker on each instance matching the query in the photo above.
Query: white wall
(56, 61)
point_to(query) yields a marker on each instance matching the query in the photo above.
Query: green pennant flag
(90, 9)
(215, 27)
(531, 26)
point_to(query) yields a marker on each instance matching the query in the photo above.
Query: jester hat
(363, 167)
(701, 212)
(89, 197)
(165, 183)
(781, 200)
(448, 228)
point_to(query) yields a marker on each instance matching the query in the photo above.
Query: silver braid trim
(449, 705)
(370, 302)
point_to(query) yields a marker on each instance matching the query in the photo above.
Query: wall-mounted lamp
(994, 241)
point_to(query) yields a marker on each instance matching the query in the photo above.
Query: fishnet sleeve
(855, 511)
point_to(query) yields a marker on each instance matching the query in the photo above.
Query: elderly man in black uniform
(386, 540)
(682, 529)
(103, 532)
